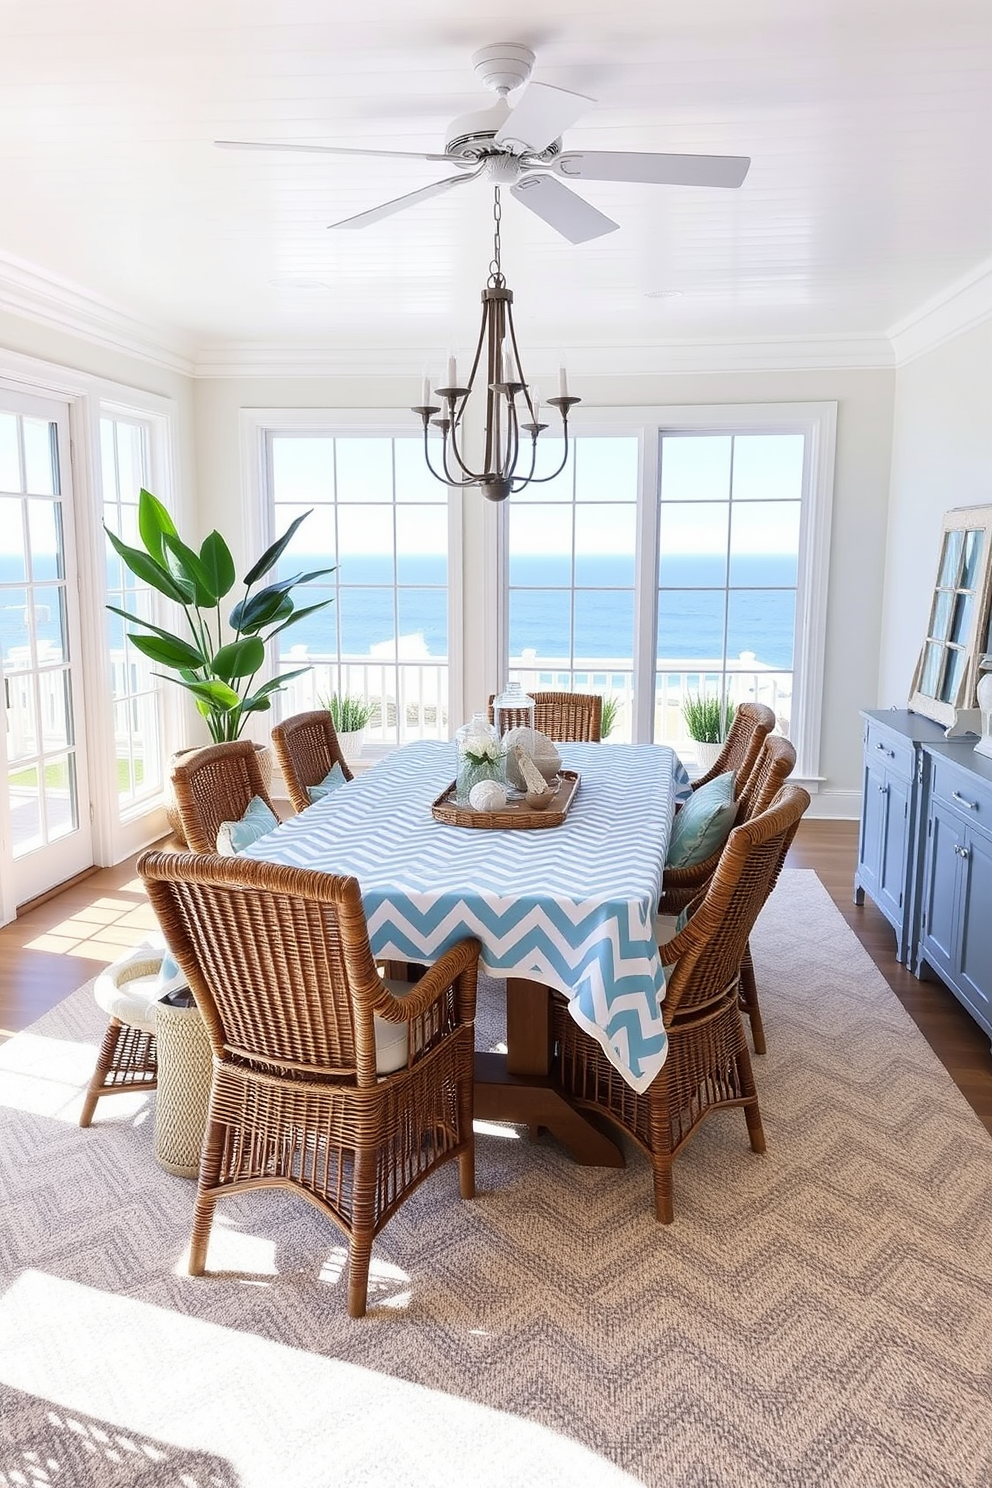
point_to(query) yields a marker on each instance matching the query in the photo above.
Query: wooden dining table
(569, 909)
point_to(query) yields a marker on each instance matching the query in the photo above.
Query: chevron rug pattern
(819, 1317)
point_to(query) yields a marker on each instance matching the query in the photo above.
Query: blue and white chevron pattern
(572, 907)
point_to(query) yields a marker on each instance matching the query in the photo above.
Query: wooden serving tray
(514, 814)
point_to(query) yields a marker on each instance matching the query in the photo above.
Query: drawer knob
(963, 801)
(890, 752)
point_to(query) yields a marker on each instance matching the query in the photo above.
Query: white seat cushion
(129, 989)
(392, 1040)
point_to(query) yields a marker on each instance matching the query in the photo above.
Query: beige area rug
(818, 1316)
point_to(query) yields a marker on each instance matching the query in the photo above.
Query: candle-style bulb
(452, 371)
(562, 383)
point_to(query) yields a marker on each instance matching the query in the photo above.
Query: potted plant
(218, 661)
(609, 716)
(707, 720)
(350, 714)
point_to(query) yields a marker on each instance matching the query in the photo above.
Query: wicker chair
(213, 785)
(279, 962)
(752, 722)
(708, 1065)
(680, 886)
(775, 762)
(306, 747)
(566, 717)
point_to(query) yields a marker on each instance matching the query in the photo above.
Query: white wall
(941, 457)
(859, 518)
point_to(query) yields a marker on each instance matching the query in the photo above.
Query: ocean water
(758, 614)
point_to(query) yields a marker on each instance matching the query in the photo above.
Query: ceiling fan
(521, 148)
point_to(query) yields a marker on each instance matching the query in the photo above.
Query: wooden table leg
(516, 1086)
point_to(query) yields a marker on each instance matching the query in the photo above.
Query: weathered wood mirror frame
(947, 672)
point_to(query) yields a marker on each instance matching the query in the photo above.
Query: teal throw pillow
(234, 837)
(703, 824)
(170, 978)
(332, 781)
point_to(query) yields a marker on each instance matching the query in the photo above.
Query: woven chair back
(710, 949)
(775, 763)
(566, 717)
(306, 747)
(213, 785)
(752, 722)
(278, 959)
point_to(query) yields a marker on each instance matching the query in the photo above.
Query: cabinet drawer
(888, 749)
(967, 795)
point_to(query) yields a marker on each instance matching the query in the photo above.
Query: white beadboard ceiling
(869, 125)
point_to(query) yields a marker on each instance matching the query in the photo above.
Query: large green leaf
(274, 684)
(275, 552)
(238, 659)
(256, 704)
(167, 650)
(269, 604)
(219, 695)
(153, 522)
(149, 572)
(185, 566)
(299, 615)
(216, 558)
(166, 635)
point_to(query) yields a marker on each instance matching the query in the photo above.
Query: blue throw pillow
(703, 824)
(234, 837)
(332, 781)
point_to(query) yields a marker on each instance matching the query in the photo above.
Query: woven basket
(184, 1070)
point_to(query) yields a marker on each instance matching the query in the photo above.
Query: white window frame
(114, 836)
(818, 423)
(256, 424)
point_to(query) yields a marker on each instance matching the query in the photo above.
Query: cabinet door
(872, 827)
(893, 847)
(975, 975)
(940, 890)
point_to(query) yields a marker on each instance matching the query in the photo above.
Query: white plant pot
(706, 755)
(351, 743)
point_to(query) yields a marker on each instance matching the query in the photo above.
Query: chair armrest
(458, 968)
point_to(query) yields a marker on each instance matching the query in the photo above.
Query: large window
(686, 552)
(125, 458)
(571, 572)
(381, 519)
(728, 568)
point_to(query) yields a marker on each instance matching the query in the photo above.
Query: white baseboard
(836, 805)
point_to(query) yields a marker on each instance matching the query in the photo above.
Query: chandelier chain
(496, 280)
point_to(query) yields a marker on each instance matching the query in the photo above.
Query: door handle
(963, 801)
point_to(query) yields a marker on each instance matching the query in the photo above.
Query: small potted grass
(350, 714)
(707, 721)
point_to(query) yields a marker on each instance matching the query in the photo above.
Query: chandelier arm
(443, 474)
(540, 480)
(519, 366)
(520, 481)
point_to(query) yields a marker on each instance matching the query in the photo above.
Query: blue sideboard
(925, 850)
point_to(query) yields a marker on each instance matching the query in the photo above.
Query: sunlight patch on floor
(178, 1388)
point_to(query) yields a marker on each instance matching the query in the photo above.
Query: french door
(45, 832)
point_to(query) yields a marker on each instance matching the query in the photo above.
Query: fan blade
(326, 150)
(657, 170)
(400, 203)
(561, 209)
(540, 116)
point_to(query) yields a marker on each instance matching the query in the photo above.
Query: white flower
(480, 747)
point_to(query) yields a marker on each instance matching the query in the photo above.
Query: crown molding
(963, 304)
(63, 306)
(793, 354)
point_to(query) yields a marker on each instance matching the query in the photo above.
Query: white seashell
(534, 783)
(487, 795)
(539, 746)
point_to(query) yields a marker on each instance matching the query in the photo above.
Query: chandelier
(507, 466)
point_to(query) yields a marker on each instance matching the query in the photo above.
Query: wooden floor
(53, 948)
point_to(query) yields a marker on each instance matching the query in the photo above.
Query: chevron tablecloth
(572, 907)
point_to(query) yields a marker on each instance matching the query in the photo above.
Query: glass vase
(480, 756)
